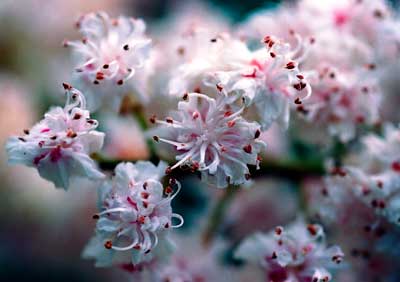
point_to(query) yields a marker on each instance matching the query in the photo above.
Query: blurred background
(43, 230)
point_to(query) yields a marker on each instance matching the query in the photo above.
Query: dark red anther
(299, 86)
(95, 216)
(396, 166)
(168, 190)
(108, 245)
(67, 86)
(126, 47)
(247, 149)
(290, 65)
(231, 123)
(156, 138)
(141, 219)
(99, 75)
(227, 113)
(257, 134)
(297, 101)
(312, 229)
(278, 230)
(120, 82)
(168, 170)
(247, 176)
(185, 96)
(219, 87)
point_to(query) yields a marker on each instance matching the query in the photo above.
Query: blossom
(135, 216)
(212, 137)
(205, 267)
(375, 173)
(112, 58)
(293, 254)
(60, 144)
(275, 69)
(269, 78)
(343, 99)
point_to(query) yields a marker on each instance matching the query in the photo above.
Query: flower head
(212, 137)
(296, 253)
(275, 69)
(135, 213)
(375, 174)
(59, 145)
(109, 56)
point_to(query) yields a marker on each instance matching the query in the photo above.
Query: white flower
(212, 137)
(203, 55)
(269, 78)
(111, 58)
(60, 144)
(134, 216)
(342, 100)
(276, 71)
(375, 174)
(293, 254)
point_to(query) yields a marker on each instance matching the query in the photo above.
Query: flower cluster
(135, 210)
(346, 59)
(59, 146)
(293, 254)
(110, 54)
(213, 138)
(375, 173)
(215, 95)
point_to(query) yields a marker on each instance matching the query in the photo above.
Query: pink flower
(60, 144)
(212, 137)
(135, 211)
(111, 58)
(296, 253)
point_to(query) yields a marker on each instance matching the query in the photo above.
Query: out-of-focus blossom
(135, 216)
(60, 144)
(294, 254)
(268, 78)
(348, 57)
(262, 201)
(375, 174)
(341, 100)
(205, 267)
(51, 28)
(111, 59)
(213, 138)
(125, 140)
(367, 238)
